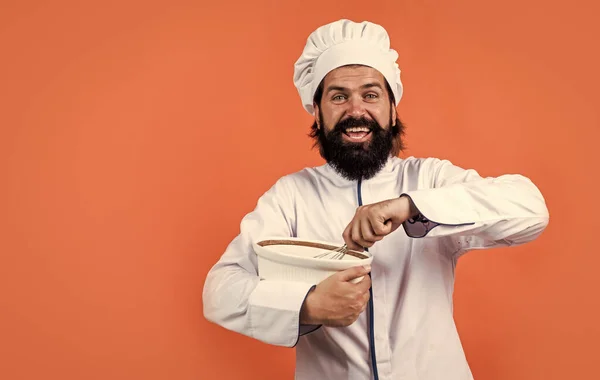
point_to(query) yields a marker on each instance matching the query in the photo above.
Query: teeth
(358, 129)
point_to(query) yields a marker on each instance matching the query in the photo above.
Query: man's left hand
(372, 222)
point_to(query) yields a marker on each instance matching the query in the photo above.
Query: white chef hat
(340, 43)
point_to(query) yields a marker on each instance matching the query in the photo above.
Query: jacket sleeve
(475, 212)
(234, 296)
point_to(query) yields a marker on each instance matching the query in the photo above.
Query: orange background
(136, 135)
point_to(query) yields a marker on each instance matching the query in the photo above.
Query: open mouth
(357, 134)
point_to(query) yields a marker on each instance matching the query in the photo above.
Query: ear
(317, 119)
(394, 115)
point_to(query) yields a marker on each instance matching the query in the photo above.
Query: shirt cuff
(307, 329)
(420, 225)
(275, 312)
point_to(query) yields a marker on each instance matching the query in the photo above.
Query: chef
(416, 216)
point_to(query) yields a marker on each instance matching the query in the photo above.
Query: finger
(357, 235)
(374, 232)
(364, 285)
(363, 308)
(392, 226)
(347, 235)
(348, 239)
(365, 300)
(354, 272)
(382, 227)
(366, 233)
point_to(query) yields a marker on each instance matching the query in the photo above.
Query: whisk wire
(335, 254)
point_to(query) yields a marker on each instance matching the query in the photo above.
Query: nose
(356, 108)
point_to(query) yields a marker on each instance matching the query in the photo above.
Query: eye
(338, 98)
(372, 96)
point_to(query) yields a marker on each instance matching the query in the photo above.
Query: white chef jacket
(412, 275)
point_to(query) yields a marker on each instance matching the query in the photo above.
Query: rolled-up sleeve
(235, 297)
(478, 212)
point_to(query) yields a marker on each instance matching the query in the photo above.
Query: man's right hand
(336, 301)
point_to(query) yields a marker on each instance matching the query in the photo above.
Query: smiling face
(356, 120)
(354, 92)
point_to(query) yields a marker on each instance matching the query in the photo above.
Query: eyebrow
(366, 85)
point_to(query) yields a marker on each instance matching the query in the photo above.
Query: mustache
(351, 122)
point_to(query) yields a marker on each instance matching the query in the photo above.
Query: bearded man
(396, 322)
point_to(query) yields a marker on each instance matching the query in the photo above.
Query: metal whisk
(336, 254)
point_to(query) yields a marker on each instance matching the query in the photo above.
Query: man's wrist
(306, 317)
(412, 210)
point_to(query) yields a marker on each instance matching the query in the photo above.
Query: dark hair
(398, 130)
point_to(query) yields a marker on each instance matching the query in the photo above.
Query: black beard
(356, 161)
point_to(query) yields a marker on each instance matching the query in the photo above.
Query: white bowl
(292, 259)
